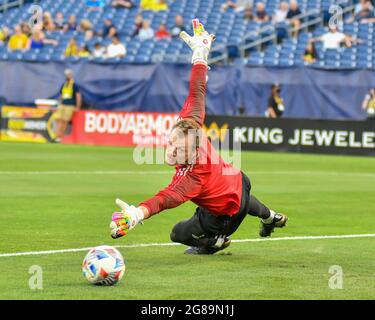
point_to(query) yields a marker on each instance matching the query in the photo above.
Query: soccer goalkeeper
(221, 191)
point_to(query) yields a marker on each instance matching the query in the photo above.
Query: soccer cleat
(279, 221)
(207, 251)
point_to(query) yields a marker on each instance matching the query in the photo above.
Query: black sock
(258, 209)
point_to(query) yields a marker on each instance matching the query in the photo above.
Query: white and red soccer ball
(103, 265)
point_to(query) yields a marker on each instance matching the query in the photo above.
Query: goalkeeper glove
(200, 43)
(122, 222)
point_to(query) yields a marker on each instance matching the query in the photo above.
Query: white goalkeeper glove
(122, 222)
(200, 43)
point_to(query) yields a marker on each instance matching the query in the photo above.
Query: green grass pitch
(322, 195)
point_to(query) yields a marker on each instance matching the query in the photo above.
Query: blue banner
(306, 92)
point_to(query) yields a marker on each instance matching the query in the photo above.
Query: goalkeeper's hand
(122, 222)
(200, 43)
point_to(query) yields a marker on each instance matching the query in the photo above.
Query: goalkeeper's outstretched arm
(200, 43)
(194, 107)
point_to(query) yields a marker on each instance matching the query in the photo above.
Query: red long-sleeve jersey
(212, 184)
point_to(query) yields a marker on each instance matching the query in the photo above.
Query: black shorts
(204, 226)
(213, 224)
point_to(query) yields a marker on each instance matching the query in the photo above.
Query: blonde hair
(85, 25)
(187, 126)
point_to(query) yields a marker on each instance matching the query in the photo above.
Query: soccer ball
(103, 265)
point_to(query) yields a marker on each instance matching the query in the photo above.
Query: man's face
(68, 76)
(260, 7)
(180, 148)
(179, 21)
(293, 5)
(284, 6)
(333, 29)
(146, 24)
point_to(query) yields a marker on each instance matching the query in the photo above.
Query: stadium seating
(231, 28)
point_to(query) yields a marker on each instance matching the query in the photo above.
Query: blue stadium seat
(142, 59)
(348, 64)
(230, 28)
(15, 55)
(286, 62)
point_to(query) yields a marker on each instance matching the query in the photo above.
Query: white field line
(144, 245)
(145, 172)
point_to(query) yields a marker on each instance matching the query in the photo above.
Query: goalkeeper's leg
(269, 218)
(189, 232)
(258, 209)
(201, 241)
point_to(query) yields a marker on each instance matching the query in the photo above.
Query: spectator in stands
(18, 41)
(109, 29)
(310, 55)
(89, 35)
(98, 51)
(292, 16)
(368, 103)
(25, 28)
(248, 14)
(155, 5)
(162, 33)
(48, 24)
(366, 14)
(71, 25)
(276, 106)
(84, 52)
(59, 21)
(127, 4)
(361, 5)
(4, 35)
(112, 32)
(116, 49)
(238, 6)
(146, 33)
(281, 13)
(70, 101)
(280, 22)
(36, 40)
(178, 26)
(86, 27)
(138, 24)
(260, 13)
(108, 24)
(333, 39)
(72, 48)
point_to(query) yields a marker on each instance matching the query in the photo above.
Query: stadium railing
(7, 4)
(315, 21)
(312, 18)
